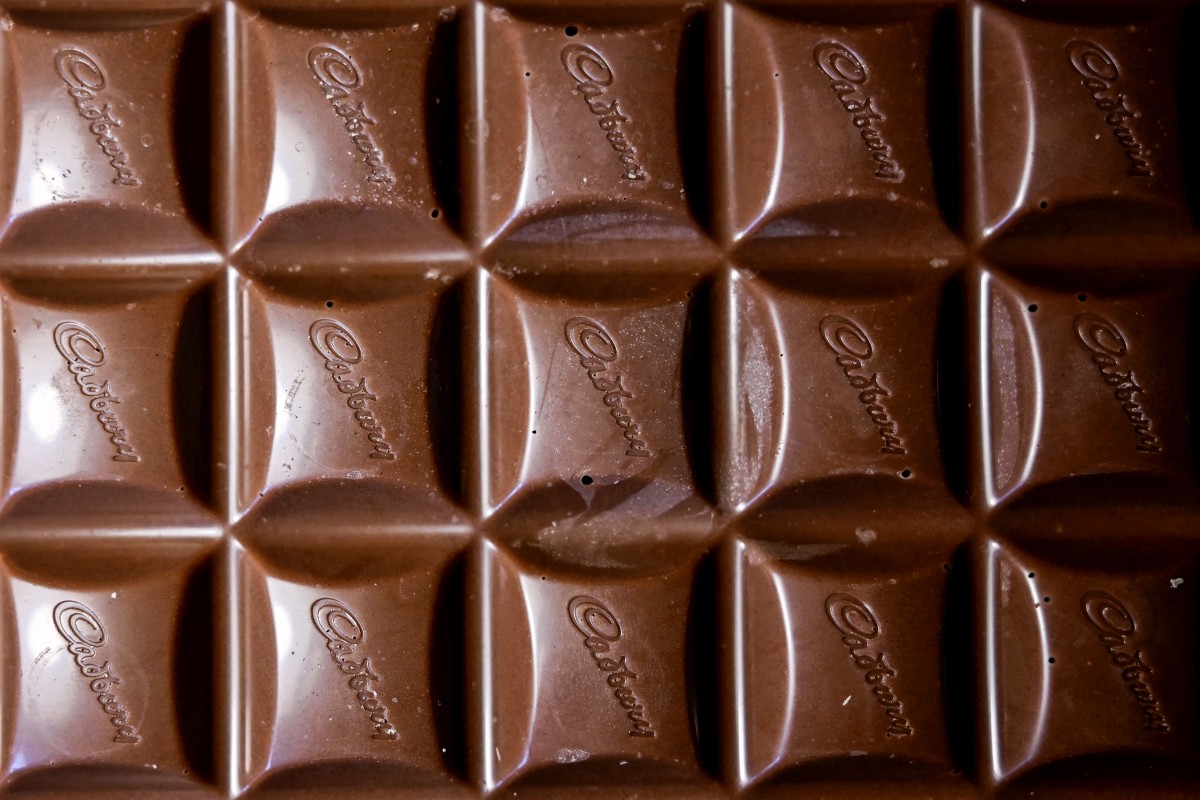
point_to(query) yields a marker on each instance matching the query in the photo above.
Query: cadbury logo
(852, 348)
(1099, 72)
(85, 78)
(848, 78)
(1101, 338)
(85, 634)
(597, 350)
(340, 349)
(1115, 624)
(858, 627)
(594, 77)
(601, 630)
(84, 353)
(338, 77)
(343, 634)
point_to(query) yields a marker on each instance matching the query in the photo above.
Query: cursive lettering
(84, 352)
(343, 634)
(597, 350)
(859, 626)
(1101, 338)
(1115, 624)
(338, 77)
(85, 634)
(85, 78)
(847, 77)
(600, 630)
(852, 348)
(1099, 72)
(594, 77)
(337, 345)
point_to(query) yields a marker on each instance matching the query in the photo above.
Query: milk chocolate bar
(552, 399)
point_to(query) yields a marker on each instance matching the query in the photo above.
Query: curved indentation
(72, 502)
(878, 213)
(104, 229)
(1002, 37)
(1012, 391)
(119, 780)
(537, 386)
(778, 155)
(330, 775)
(874, 774)
(571, 768)
(1017, 645)
(324, 500)
(849, 487)
(609, 221)
(789, 701)
(1044, 659)
(249, 97)
(192, 394)
(369, 231)
(763, 395)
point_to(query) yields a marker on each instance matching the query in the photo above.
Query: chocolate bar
(644, 399)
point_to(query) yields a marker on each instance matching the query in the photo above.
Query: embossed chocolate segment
(1076, 122)
(833, 127)
(344, 396)
(350, 662)
(84, 354)
(343, 634)
(833, 392)
(584, 126)
(584, 395)
(1081, 389)
(1088, 658)
(585, 666)
(337, 147)
(106, 134)
(843, 656)
(85, 635)
(85, 79)
(109, 659)
(111, 392)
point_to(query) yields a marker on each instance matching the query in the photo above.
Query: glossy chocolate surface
(604, 399)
